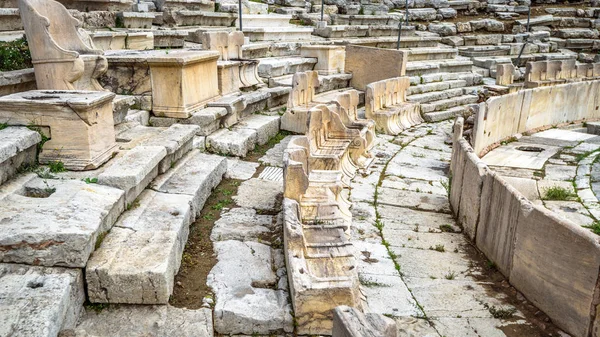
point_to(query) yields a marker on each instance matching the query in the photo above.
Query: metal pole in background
(322, 9)
(407, 12)
(240, 13)
(399, 32)
(520, 53)
(528, 16)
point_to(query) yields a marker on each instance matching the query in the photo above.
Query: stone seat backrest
(229, 45)
(384, 94)
(304, 86)
(569, 69)
(535, 71)
(295, 172)
(52, 33)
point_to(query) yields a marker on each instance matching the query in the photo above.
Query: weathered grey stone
(17, 149)
(489, 25)
(177, 141)
(196, 174)
(242, 224)
(274, 155)
(137, 261)
(36, 229)
(38, 301)
(134, 171)
(259, 194)
(146, 320)
(443, 29)
(350, 322)
(208, 119)
(239, 169)
(235, 142)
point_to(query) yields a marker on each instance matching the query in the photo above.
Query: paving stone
(433, 187)
(196, 174)
(134, 171)
(56, 222)
(560, 134)
(232, 142)
(242, 224)
(475, 326)
(239, 169)
(399, 218)
(544, 185)
(560, 172)
(39, 301)
(426, 263)
(138, 259)
(259, 194)
(414, 327)
(450, 242)
(416, 200)
(570, 210)
(242, 281)
(387, 294)
(266, 127)
(528, 187)
(146, 320)
(510, 156)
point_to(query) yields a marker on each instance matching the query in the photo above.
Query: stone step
(39, 301)
(194, 5)
(208, 120)
(10, 20)
(341, 31)
(326, 82)
(141, 20)
(138, 259)
(435, 96)
(55, 222)
(446, 104)
(201, 18)
(479, 51)
(435, 86)
(424, 54)
(242, 138)
(438, 116)
(279, 66)
(469, 77)
(18, 149)
(419, 68)
(121, 105)
(575, 33)
(169, 38)
(463, 4)
(134, 171)
(278, 33)
(265, 20)
(365, 20)
(392, 41)
(177, 141)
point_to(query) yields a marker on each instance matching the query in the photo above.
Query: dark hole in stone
(35, 284)
(33, 192)
(530, 148)
(41, 97)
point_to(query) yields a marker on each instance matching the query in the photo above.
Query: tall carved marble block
(348, 112)
(80, 124)
(330, 59)
(300, 101)
(505, 74)
(63, 55)
(183, 82)
(385, 103)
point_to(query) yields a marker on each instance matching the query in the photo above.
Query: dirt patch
(198, 257)
(540, 323)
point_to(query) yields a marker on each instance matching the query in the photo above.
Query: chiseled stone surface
(144, 320)
(259, 194)
(17, 149)
(39, 301)
(56, 222)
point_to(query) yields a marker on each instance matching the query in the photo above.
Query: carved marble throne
(64, 57)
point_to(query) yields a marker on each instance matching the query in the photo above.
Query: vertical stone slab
(474, 173)
(360, 63)
(556, 265)
(505, 74)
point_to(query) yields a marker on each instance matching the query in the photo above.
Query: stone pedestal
(229, 77)
(183, 82)
(331, 59)
(80, 123)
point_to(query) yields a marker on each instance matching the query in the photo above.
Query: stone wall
(502, 117)
(551, 261)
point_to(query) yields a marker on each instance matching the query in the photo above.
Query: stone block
(36, 230)
(81, 125)
(182, 70)
(18, 148)
(392, 63)
(39, 301)
(196, 174)
(330, 59)
(177, 141)
(350, 322)
(505, 74)
(138, 259)
(235, 142)
(134, 171)
(208, 119)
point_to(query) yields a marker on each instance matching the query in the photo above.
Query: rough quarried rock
(192, 73)
(63, 55)
(36, 229)
(80, 124)
(385, 103)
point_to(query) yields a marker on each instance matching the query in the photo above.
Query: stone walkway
(415, 264)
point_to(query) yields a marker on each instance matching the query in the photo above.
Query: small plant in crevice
(56, 166)
(450, 275)
(3, 126)
(15, 55)
(594, 227)
(500, 313)
(558, 193)
(91, 180)
(447, 228)
(438, 248)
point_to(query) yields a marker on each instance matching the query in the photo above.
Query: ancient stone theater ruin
(346, 168)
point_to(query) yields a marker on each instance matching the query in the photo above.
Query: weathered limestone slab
(196, 174)
(36, 230)
(39, 301)
(81, 124)
(16, 81)
(18, 148)
(569, 274)
(350, 322)
(505, 74)
(235, 142)
(177, 141)
(138, 259)
(242, 224)
(331, 59)
(142, 320)
(137, 19)
(63, 55)
(10, 19)
(385, 103)
(259, 194)
(200, 18)
(134, 171)
(183, 70)
(208, 119)
(359, 61)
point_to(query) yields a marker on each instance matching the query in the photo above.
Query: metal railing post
(322, 9)
(399, 33)
(240, 13)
